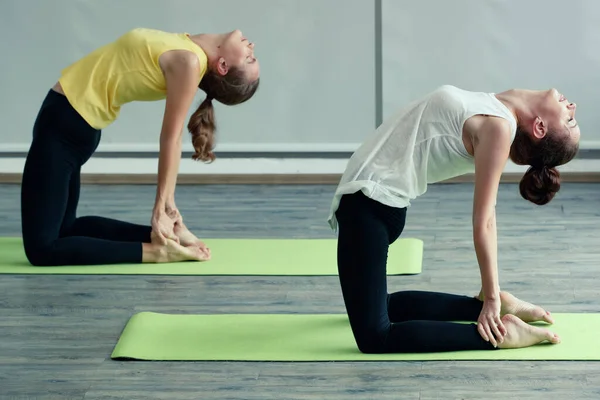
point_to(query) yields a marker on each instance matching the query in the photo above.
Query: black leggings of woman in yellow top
(141, 65)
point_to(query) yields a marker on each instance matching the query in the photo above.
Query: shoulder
(489, 129)
(182, 72)
(179, 60)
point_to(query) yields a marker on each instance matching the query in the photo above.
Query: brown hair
(230, 89)
(542, 180)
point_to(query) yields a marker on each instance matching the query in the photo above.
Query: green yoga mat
(316, 337)
(307, 257)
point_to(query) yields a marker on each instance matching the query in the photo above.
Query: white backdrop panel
(317, 56)
(494, 45)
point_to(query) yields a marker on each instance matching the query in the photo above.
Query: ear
(222, 66)
(540, 128)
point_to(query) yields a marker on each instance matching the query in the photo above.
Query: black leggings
(52, 234)
(401, 322)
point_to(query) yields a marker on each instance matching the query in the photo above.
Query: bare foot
(188, 239)
(172, 251)
(525, 311)
(520, 334)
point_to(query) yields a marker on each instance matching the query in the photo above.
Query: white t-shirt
(420, 144)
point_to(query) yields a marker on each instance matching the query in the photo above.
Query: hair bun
(539, 185)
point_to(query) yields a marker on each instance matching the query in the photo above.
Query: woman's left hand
(490, 324)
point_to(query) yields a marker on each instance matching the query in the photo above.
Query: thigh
(45, 190)
(363, 242)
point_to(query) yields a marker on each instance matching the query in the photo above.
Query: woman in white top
(447, 133)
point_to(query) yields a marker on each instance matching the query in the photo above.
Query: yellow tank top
(123, 71)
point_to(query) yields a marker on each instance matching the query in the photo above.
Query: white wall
(494, 45)
(316, 58)
(319, 66)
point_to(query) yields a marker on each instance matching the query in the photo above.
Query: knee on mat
(371, 342)
(39, 255)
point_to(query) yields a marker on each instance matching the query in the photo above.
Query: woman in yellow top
(141, 65)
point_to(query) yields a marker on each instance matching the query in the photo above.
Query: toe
(204, 255)
(548, 318)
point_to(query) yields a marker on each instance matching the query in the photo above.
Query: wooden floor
(57, 332)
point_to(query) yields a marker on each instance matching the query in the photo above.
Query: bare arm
(181, 70)
(170, 207)
(491, 151)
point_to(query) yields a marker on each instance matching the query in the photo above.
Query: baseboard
(272, 179)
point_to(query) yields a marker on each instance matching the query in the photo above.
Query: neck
(518, 102)
(209, 42)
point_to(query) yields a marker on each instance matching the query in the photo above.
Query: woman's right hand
(163, 227)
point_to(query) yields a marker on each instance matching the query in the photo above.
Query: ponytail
(202, 128)
(229, 89)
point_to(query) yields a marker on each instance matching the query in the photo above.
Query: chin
(235, 32)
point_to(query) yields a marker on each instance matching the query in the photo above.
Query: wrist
(490, 292)
(160, 201)
(159, 208)
(493, 296)
(164, 203)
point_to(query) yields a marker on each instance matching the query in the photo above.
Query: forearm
(486, 249)
(171, 199)
(168, 168)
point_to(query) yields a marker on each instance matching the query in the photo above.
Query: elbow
(483, 224)
(170, 141)
(170, 136)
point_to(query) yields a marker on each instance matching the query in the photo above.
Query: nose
(572, 107)
(251, 45)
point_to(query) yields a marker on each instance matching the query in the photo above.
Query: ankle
(150, 253)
